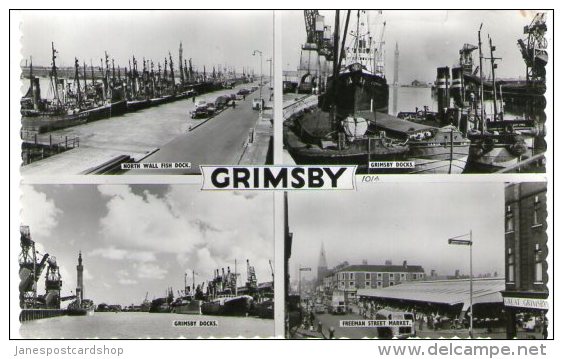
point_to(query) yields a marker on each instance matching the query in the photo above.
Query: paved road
(135, 134)
(220, 141)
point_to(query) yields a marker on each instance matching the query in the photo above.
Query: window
(379, 284)
(368, 283)
(510, 265)
(536, 211)
(402, 276)
(509, 219)
(351, 283)
(368, 276)
(379, 275)
(391, 284)
(341, 284)
(539, 264)
(391, 275)
(350, 275)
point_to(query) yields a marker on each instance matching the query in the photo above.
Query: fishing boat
(71, 104)
(338, 131)
(81, 307)
(495, 143)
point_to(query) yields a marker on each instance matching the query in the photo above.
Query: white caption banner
(278, 177)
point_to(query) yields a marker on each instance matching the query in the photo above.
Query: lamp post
(254, 54)
(270, 68)
(464, 242)
(302, 269)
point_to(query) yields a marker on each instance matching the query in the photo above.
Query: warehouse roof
(450, 292)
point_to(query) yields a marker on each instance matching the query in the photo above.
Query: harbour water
(143, 326)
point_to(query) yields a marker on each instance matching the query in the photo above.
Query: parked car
(221, 102)
(319, 309)
(243, 92)
(203, 109)
(257, 104)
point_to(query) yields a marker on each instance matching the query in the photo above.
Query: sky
(143, 238)
(427, 39)
(400, 221)
(208, 37)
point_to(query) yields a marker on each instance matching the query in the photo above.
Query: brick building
(359, 276)
(525, 252)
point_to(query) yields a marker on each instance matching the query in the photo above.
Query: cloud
(124, 278)
(38, 212)
(203, 231)
(150, 271)
(121, 254)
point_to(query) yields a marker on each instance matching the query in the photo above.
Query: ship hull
(236, 306)
(193, 307)
(45, 122)
(434, 150)
(356, 91)
(307, 139)
(496, 159)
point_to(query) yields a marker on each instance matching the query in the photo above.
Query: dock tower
(396, 66)
(79, 279)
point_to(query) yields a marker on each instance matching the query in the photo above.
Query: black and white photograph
(145, 92)
(145, 262)
(428, 260)
(423, 92)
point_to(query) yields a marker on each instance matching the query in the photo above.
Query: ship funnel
(443, 88)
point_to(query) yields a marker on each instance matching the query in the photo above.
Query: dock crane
(534, 48)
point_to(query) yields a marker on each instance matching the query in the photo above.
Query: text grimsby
(278, 178)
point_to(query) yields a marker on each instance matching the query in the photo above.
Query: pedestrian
(193, 99)
(244, 97)
(331, 333)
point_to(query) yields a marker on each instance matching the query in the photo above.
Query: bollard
(331, 333)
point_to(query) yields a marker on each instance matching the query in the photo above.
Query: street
(219, 141)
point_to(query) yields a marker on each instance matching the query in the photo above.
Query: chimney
(364, 261)
(433, 273)
(388, 262)
(405, 264)
(457, 273)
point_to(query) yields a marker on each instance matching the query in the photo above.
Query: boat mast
(77, 82)
(236, 278)
(335, 69)
(181, 64)
(84, 73)
(482, 95)
(54, 76)
(493, 67)
(92, 72)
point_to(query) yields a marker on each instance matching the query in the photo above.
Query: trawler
(338, 131)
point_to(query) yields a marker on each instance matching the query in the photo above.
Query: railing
(30, 137)
(299, 105)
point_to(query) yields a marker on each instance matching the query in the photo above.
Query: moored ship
(339, 131)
